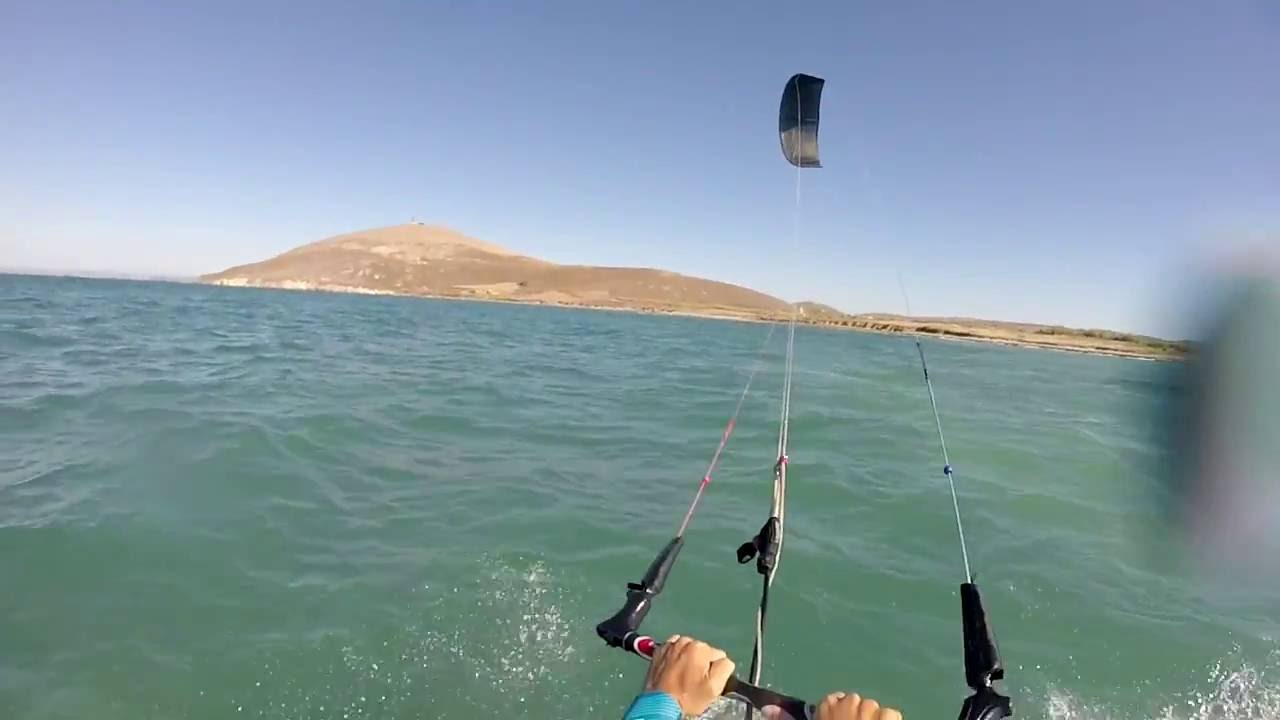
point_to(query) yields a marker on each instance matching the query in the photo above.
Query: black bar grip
(759, 698)
(656, 576)
(982, 666)
(754, 695)
(981, 656)
(626, 621)
(622, 625)
(986, 704)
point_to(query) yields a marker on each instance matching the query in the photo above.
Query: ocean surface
(236, 503)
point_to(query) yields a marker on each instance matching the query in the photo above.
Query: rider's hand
(851, 706)
(692, 672)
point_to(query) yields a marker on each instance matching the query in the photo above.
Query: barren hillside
(425, 260)
(433, 261)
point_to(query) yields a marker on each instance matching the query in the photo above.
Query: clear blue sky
(1052, 161)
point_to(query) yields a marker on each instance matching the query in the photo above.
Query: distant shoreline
(950, 330)
(923, 327)
(433, 261)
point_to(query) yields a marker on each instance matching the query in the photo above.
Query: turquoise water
(221, 503)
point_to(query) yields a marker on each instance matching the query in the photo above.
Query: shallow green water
(225, 503)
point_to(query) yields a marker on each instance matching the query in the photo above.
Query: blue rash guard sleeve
(653, 705)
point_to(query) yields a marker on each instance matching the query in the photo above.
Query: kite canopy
(798, 120)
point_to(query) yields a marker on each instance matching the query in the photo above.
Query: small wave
(501, 642)
(1235, 692)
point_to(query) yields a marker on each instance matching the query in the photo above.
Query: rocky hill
(427, 260)
(416, 259)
